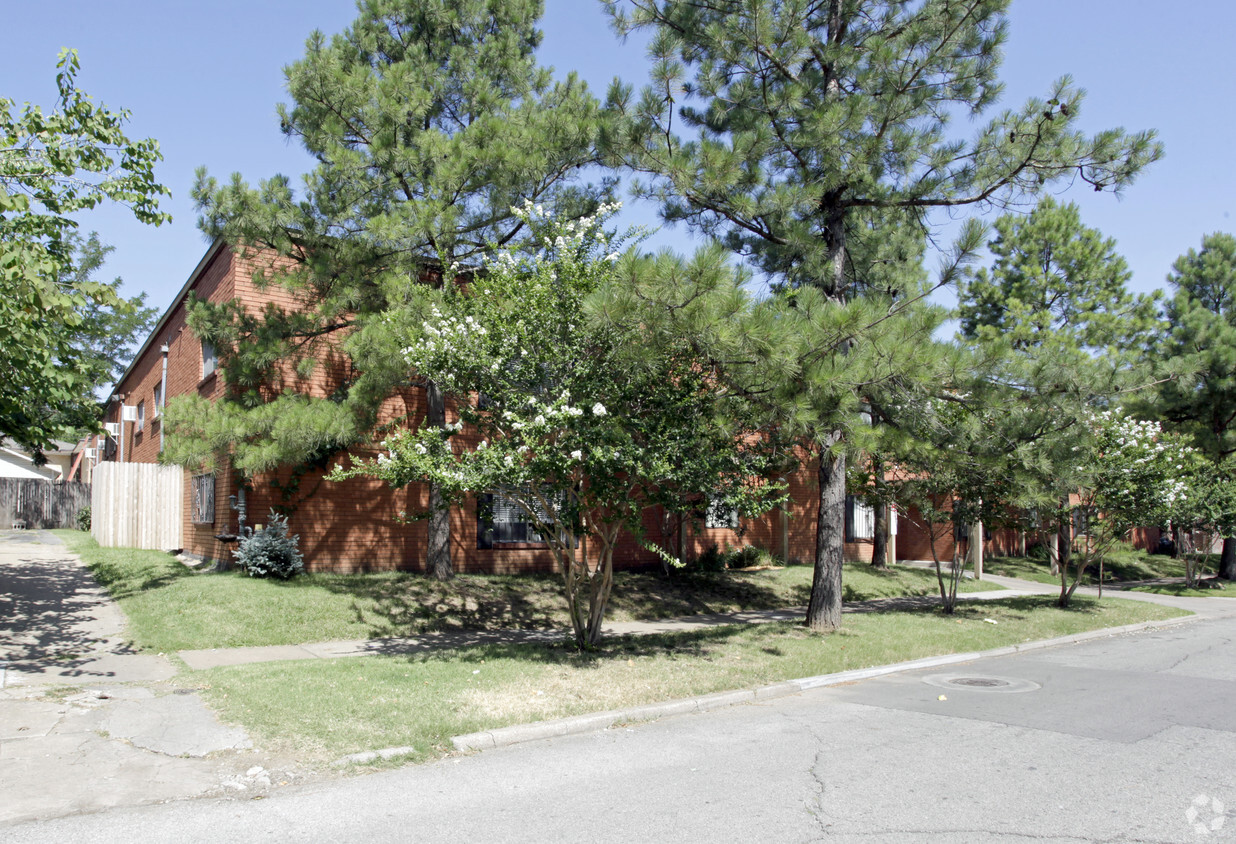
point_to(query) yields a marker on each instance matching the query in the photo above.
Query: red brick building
(352, 526)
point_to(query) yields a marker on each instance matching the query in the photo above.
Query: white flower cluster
(444, 333)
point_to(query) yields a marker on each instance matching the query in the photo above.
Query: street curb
(593, 722)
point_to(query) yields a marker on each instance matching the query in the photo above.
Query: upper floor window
(157, 409)
(210, 359)
(141, 415)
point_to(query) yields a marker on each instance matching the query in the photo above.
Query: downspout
(163, 399)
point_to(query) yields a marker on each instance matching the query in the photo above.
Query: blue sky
(203, 78)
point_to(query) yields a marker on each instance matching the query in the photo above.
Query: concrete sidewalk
(86, 723)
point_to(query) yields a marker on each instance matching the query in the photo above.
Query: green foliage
(82, 522)
(1201, 339)
(582, 444)
(271, 552)
(1051, 274)
(816, 144)
(429, 120)
(54, 164)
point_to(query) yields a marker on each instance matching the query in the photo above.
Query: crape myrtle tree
(1134, 474)
(1201, 340)
(576, 431)
(54, 164)
(1055, 311)
(429, 120)
(792, 129)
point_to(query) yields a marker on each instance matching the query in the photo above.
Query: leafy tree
(429, 121)
(52, 165)
(1201, 341)
(1134, 474)
(557, 420)
(1055, 311)
(814, 129)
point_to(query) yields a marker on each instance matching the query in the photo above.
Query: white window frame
(210, 358)
(141, 416)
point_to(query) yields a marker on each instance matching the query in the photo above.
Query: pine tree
(1055, 316)
(429, 120)
(1201, 341)
(812, 127)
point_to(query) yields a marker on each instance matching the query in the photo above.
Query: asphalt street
(1125, 739)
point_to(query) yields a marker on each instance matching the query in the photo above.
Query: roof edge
(216, 247)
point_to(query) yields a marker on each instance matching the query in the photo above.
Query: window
(500, 519)
(141, 416)
(210, 360)
(720, 515)
(859, 520)
(203, 506)
(156, 411)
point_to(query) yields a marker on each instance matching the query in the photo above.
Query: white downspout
(163, 399)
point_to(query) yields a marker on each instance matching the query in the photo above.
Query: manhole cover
(979, 682)
(970, 682)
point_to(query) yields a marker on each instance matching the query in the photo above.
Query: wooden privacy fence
(41, 504)
(137, 505)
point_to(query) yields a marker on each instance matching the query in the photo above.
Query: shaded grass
(1120, 566)
(348, 705)
(1181, 591)
(172, 608)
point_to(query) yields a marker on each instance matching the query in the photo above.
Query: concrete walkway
(86, 723)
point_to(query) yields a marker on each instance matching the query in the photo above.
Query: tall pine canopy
(804, 132)
(429, 121)
(1201, 341)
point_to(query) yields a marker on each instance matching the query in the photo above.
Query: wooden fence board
(41, 504)
(138, 505)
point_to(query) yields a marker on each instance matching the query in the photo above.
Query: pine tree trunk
(879, 542)
(824, 610)
(1227, 560)
(438, 552)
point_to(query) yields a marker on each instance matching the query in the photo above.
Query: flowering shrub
(579, 437)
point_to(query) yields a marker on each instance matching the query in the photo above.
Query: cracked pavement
(87, 723)
(1129, 738)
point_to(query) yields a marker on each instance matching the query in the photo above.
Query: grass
(171, 607)
(1180, 591)
(1121, 566)
(348, 705)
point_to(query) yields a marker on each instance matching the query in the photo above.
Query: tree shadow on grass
(693, 644)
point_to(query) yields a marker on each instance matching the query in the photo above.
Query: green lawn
(1122, 565)
(171, 607)
(348, 705)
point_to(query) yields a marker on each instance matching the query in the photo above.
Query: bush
(83, 519)
(271, 552)
(711, 560)
(747, 556)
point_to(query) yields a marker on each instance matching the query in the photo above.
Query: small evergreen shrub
(83, 519)
(746, 556)
(271, 552)
(711, 560)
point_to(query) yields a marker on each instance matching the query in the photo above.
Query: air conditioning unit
(88, 453)
(112, 428)
(128, 413)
